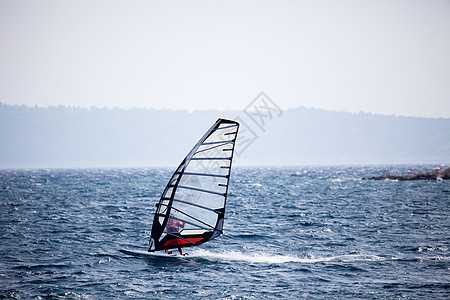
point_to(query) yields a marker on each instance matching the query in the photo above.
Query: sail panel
(208, 167)
(212, 184)
(192, 207)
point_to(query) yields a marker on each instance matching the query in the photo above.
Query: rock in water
(431, 175)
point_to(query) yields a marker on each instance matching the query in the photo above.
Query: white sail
(192, 207)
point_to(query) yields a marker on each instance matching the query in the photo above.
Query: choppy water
(306, 232)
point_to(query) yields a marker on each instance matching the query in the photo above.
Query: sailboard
(143, 253)
(191, 209)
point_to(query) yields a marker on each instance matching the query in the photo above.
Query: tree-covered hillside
(34, 137)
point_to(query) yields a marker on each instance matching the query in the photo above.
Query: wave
(270, 258)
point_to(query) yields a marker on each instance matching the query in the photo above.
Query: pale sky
(384, 57)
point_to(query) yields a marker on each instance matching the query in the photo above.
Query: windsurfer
(174, 226)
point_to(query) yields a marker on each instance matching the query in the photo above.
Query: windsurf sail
(192, 207)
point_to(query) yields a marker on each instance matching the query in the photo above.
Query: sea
(307, 232)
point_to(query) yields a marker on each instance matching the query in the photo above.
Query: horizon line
(111, 108)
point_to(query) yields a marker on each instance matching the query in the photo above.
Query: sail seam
(220, 128)
(213, 143)
(201, 190)
(211, 158)
(198, 205)
(206, 174)
(213, 147)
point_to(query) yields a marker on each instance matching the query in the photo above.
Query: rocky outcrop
(437, 174)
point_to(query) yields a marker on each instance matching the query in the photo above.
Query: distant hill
(33, 137)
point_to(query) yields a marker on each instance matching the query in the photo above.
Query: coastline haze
(68, 137)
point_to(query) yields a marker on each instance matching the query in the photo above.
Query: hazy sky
(388, 57)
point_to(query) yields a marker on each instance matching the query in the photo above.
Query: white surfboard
(140, 253)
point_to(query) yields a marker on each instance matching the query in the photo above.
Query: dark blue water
(306, 232)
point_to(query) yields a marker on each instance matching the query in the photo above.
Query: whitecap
(270, 258)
